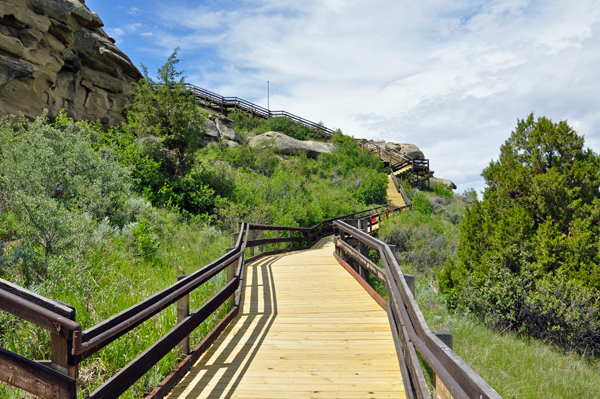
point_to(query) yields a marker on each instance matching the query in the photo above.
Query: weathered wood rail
(223, 104)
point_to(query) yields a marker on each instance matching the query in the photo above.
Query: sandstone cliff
(54, 55)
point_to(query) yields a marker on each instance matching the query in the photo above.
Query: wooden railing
(223, 104)
(417, 173)
(453, 377)
(71, 345)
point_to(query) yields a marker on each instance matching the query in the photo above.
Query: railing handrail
(460, 379)
(223, 102)
(84, 344)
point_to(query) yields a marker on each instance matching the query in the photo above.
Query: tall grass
(117, 278)
(516, 367)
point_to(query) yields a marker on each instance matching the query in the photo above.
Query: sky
(452, 77)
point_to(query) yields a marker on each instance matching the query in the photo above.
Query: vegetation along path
(306, 329)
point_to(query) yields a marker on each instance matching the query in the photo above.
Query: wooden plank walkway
(393, 196)
(306, 329)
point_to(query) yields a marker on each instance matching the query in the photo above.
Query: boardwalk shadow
(219, 372)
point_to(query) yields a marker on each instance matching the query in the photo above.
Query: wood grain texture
(306, 329)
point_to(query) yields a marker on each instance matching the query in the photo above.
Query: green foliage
(349, 155)
(537, 226)
(245, 124)
(423, 243)
(146, 239)
(440, 189)
(421, 204)
(372, 188)
(267, 188)
(53, 184)
(166, 108)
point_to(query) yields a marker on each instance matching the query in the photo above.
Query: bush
(421, 204)
(423, 243)
(440, 189)
(53, 185)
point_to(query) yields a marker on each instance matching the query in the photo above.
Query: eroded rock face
(54, 55)
(218, 128)
(290, 146)
(410, 150)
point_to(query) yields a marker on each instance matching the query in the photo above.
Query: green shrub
(166, 108)
(421, 204)
(54, 184)
(440, 189)
(535, 232)
(423, 243)
(372, 188)
(146, 238)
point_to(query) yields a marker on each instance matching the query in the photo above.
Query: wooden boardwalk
(306, 329)
(393, 196)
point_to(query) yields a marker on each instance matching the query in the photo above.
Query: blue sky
(450, 77)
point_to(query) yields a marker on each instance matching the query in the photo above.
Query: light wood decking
(306, 329)
(393, 196)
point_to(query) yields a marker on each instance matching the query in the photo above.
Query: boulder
(211, 130)
(290, 146)
(54, 55)
(410, 150)
(445, 182)
(226, 131)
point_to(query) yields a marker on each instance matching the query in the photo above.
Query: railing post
(363, 248)
(289, 234)
(250, 238)
(410, 281)
(230, 276)
(183, 311)
(277, 236)
(62, 360)
(261, 236)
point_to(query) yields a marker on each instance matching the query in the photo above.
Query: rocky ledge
(290, 146)
(54, 55)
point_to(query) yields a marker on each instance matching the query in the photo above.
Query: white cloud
(451, 77)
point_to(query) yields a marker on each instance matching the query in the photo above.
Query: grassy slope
(268, 188)
(516, 367)
(118, 279)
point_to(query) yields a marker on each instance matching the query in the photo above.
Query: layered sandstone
(54, 55)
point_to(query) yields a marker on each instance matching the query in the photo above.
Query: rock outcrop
(54, 55)
(218, 128)
(410, 150)
(290, 146)
(444, 182)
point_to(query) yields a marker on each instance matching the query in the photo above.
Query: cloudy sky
(451, 77)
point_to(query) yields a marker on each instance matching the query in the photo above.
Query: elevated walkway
(306, 329)
(394, 198)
